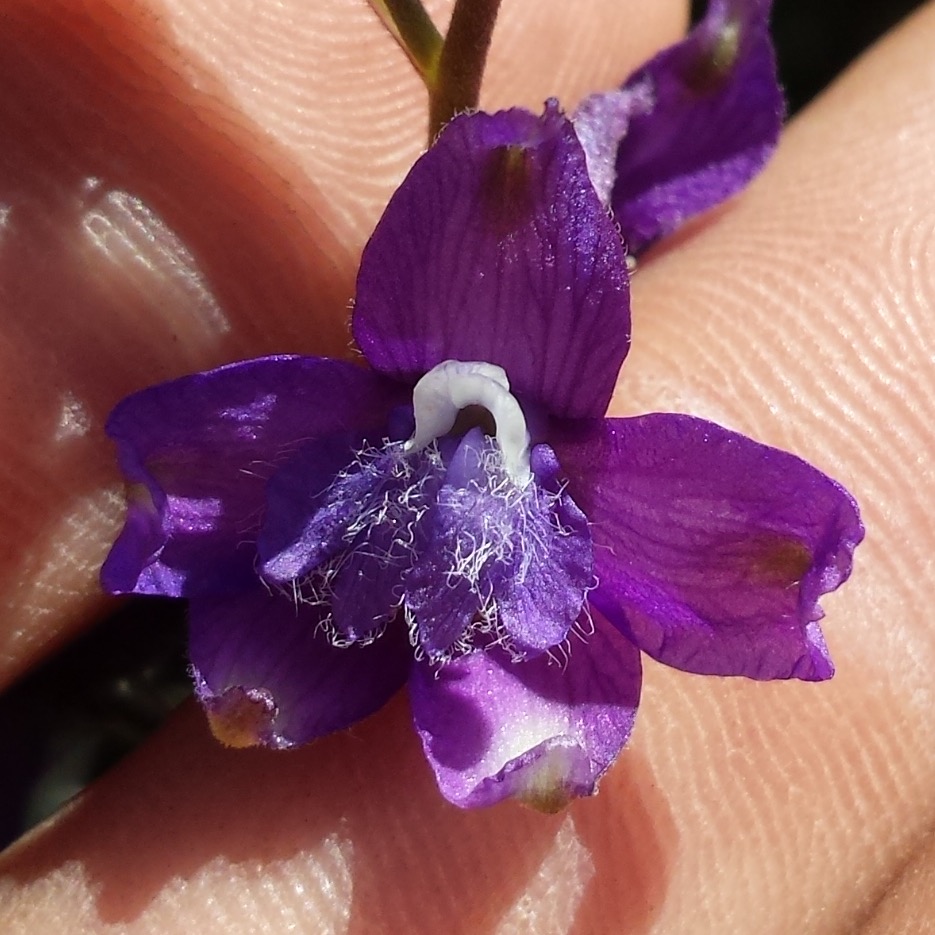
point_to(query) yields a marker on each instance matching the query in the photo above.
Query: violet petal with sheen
(267, 674)
(542, 731)
(198, 451)
(714, 120)
(601, 122)
(712, 550)
(496, 248)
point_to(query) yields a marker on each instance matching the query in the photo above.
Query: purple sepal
(712, 123)
(267, 674)
(447, 273)
(542, 731)
(601, 122)
(197, 452)
(711, 550)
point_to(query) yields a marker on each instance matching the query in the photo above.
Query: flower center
(452, 386)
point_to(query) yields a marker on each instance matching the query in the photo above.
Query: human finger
(801, 315)
(188, 184)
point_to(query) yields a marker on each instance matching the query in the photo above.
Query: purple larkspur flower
(460, 516)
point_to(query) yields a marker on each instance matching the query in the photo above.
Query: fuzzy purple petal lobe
(342, 528)
(712, 550)
(714, 121)
(311, 501)
(555, 567)
(497, 248)
(197, 453)
(367, 590)
(513, 561)
(267, 675)
(542, 731)
(601, 122)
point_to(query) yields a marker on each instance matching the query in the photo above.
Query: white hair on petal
(496, 525)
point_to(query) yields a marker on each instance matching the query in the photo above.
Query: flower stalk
(461, 66)
(452, 69)
(410, 25)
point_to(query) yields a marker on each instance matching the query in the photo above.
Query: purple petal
(197, 452)
(497, 557)
(713, 123)
(545, 589)
(712, 550)
(310, 502)
(542, 731)
(266, 673)
(367, 589)
(496, 248)
(341, 528)
(462, 536)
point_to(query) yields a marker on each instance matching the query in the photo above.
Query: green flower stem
(461, 65)
(415, 32)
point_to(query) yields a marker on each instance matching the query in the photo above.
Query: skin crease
(800, 314)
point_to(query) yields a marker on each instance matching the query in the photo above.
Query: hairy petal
(714, 120)
(266, 674)
(497, 557)
(542, 731)
(347, 545)
(197, 453)
(496, 248)
(546, 588)
(311, 500)
(711, 550)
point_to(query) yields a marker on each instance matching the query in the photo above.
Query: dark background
(99, 698)
(816, 39)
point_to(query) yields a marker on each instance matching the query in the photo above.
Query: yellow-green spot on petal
(139, 495)
(549, 802)
(779, 560)
(726, 47)
(241, 718)
(547, 784)
(507, 191)
(716, 60)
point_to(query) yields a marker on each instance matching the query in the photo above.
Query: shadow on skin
(100, 96)
(183, 801)
(141, 237)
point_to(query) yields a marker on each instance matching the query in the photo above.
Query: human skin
(801, 314)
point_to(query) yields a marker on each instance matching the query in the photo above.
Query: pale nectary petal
(496, 248)
(266, 674)
(509, 561)
(711, 550)
(601, 122)
(543, 731)
(197, 453)
(699, 121)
